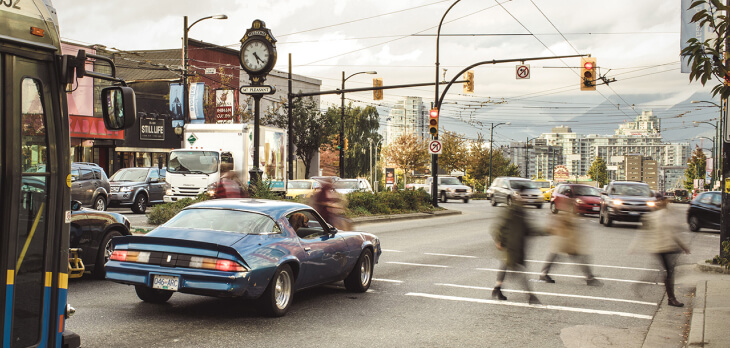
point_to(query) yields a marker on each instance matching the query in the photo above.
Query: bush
(724, 259)
(161, 213)
(388, 202)
(479, 195)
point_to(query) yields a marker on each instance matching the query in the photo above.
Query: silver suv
(89, 185)
(138, 187)
(504, 190)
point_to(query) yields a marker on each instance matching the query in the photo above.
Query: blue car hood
(208, 236)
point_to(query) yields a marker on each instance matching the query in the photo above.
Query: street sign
(435, 147)
(523, 71)
(257, 90)
(210, 71)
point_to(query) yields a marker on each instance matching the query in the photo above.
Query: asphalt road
(432, 288)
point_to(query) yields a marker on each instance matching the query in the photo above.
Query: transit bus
(35, 203)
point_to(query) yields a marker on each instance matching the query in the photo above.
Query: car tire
(443, 197)
(608, 222)
(102, 255)
(494, 201)
(278, 296)
(694, 223)
(466, 200)
(152, 295)
(553, 208)
(140, 204)
(600, 216)
(361, 276)
(99, 203)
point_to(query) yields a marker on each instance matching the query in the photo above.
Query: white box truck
(196, 168)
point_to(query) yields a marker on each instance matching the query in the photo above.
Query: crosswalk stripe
(550, 294)
(452, 255)
(574, 276)
(594, 265)
(417, 264)
(527, 305)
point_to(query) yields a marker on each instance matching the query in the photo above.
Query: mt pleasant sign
(257, 90)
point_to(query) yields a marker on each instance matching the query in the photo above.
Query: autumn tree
(696, 168)
(454, 152)
(407, 152)
(599, 171)
(478, 164)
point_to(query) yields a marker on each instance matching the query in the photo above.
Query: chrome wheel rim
(108, 250)
(366, 270)
(141, 203)
(99, 204)
(282, 290)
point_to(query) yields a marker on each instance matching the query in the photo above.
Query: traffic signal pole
(725, 205)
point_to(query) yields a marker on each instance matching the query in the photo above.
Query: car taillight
(118, 255)
(216, 264)
(228, 266)
(130, 256)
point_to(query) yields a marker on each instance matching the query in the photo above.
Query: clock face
(255, 55)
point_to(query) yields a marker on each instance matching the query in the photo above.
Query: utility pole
(725, 216)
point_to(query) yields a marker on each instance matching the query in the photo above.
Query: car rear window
(226, 220)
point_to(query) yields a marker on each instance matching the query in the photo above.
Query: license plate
(165, 282)
(633, 213)
(595, 208)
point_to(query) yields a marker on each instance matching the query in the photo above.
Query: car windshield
(585, 191)
(226, 220)
(193, 162)
(631, 190)
(346, 184)
(542, 184)
(130, 175)
(523, 184)
(450, 181)
(299, 185)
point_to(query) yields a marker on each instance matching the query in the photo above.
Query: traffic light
(378, 93)
(346, 144)
(469, 84)
(433, 122)
(337, 141)
(588, 74)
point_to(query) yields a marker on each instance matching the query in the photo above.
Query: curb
(706, 267)
(696, 337)
(396, 217)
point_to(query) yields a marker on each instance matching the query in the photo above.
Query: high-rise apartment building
(408, 116)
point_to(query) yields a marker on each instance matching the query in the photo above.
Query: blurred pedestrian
(567, 239)
(660, 238)
(229, 185)
(509, 237)
(331, 206)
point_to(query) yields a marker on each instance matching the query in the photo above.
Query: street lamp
(342, 120)
(186, 28)
(491, 140)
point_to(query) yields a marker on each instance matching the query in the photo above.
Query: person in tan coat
(567, 239)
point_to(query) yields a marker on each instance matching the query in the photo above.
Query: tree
(454, 152)
(478, 163)
(696, 168)
(598, 171)
(309, 127)
(407, 152)
(361, 128)
(706, 57)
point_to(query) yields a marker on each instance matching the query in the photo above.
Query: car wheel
(494, 201)
(277, 298)
(553, 208)
(443, 197)
(360, 277)
(152, 295)
(607, 220)
(102, 255)
(100, 203)
(466, 200)
(509, 201)
(140, 204)
(600, 216)
(538, 206)
(694, 223)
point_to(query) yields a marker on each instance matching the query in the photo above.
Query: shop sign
(151, 129)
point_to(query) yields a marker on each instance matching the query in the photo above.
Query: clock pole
(255, 173)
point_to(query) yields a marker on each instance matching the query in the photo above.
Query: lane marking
(710, 236)
(550, 294)
(594, 265)
(452, 255)
(574, 276)
(527, 305)
(387, 280)
(417, 264)
(391, 250)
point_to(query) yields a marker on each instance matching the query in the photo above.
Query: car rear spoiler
(147, 243)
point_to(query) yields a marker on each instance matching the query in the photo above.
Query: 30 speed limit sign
(435, 147)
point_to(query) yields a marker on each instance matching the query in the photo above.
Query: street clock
(258, 52)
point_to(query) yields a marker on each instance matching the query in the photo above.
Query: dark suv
(137, 187)
(625, 201)
(89, 185)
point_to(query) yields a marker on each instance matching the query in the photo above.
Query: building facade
(408, 116)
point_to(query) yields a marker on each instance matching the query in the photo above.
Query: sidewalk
(710, 325)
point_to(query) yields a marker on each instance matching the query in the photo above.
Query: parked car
(449, 187)
(576, 198)
(301, 188)
(245, 249)
(92, 232)
(625, 201)
(505, 191)
(705, 211)
(89, 185)
(138, 187)
(345, 186)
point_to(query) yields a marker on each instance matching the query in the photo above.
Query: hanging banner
(197, 92)
(224, 106)
(176, 105)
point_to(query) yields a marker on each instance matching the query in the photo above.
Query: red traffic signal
(433, 122)
(588, 65)
(588, 74)
(434, 113)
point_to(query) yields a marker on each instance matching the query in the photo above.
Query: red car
(576, 198)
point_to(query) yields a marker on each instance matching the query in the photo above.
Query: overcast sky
(635, 42)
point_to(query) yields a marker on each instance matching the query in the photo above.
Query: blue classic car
(247, 248)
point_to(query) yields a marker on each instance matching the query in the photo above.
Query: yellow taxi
(301, 188)
(546, 187)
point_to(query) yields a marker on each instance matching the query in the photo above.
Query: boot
(674, 303)
(497, 293)
(547, 279)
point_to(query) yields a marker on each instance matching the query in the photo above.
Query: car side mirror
(75, 205)
(119, 106)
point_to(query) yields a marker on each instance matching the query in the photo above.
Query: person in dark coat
(509, 237)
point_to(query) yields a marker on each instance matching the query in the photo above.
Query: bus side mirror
(119, 106)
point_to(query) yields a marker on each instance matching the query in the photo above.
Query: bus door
(30, 202)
